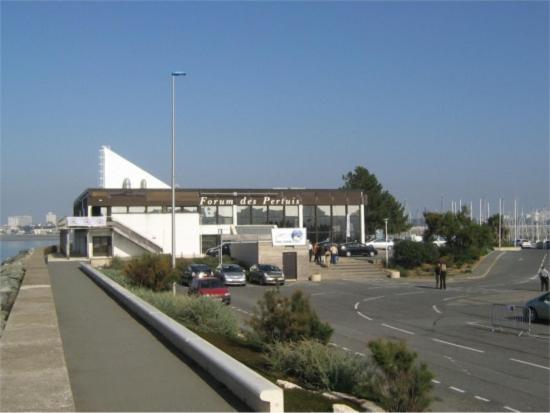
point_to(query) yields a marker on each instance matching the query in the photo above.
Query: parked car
(527, 244)
(350, 249)
(231, 274)
(195, 271)
(210, 287)
(547, 244)
(266, 274)
(539, 307)
(381, 244)
(215, 251)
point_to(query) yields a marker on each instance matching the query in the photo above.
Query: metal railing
(511, 317)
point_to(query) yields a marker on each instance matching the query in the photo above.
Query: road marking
(512, 410)
(345, 349)
(411, 293)
(478, 324)
(436, 381)
(399, 329)
(364, 316)
(493, 264)
(356, 306)
(436, 309)
(483, 399)
(454, 298)
(530, 364)
(458, 345)
(32, 287)
(373, 298)
(457, 389)
(360, 354)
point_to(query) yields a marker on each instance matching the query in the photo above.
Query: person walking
(310, 249)
(443, 276)
(437, 272)
(317, 252)
(334, 254)
(543, 275)
(327, 256)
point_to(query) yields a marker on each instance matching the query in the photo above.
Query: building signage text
(247, 200)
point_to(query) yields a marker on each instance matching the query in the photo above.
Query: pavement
(34, 376)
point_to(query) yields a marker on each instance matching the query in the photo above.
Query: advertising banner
(86, 221)
(289, 236)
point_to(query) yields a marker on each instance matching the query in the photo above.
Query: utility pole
(499, 222)
(515, 222)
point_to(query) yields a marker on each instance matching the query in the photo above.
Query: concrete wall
(245, 252)
(125, 248)
(157, 228)
(268, 254)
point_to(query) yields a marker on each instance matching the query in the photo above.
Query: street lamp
(386, 224)
(174, 74)
(220, 233)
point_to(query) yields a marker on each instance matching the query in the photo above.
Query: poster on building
(289, 236)
(86, 221)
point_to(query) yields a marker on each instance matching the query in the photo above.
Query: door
(290, 265)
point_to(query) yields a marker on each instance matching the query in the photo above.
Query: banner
(289, 236)
(86, 221)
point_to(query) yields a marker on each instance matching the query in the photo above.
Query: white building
(51, 218)
(19, 221)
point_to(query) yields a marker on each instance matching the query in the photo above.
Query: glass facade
(291, 217)
(225, 215)
(259, 215)
(276, 215)
(208, 215)
(326, 222)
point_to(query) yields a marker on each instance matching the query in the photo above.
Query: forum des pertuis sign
(265, 200)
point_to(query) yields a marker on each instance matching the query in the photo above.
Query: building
(130, 214)
(19, 221)
(51, 218)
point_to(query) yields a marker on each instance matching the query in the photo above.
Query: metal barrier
(512, 317)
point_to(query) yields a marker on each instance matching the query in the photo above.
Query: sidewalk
(33, 374)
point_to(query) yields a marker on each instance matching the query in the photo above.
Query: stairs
(350, 267)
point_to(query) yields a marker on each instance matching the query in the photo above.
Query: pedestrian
(543, 275)
(443, 276)
(437, 272)
(334, 253)
(310, 249)
(317, 252)
(327, 256)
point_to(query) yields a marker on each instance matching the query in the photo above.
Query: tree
(380, 203)
(493, 223)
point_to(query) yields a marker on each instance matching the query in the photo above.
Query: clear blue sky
(436, 98)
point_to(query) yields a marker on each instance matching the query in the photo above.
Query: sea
(10, 245)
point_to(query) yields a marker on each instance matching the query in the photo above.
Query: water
(10, 245)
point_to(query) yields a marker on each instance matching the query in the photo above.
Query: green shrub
(399, 384)
(202, 313)
(410, 254)
(278, 318)
(150, 271)
(117, 263)
(317, 366)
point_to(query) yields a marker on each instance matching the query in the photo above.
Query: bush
(278, 318)
(317, 366)
(399, 384)
(410, 254)
(150, 271)
(202, 313)
(116, 264)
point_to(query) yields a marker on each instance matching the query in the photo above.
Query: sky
(443, 101)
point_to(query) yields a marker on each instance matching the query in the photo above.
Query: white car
(527, 244)
(381, 244)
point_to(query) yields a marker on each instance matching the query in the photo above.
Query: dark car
(195, 271)
(211, 287)
(266, 274)
(231, 274)
(350, 249)
(215, 251)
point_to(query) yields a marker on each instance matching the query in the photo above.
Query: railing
(511, 317)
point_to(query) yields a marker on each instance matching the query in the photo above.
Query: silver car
(231, 274)
(539, 307)
(266, 274)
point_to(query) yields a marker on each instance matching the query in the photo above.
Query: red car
(210, 287)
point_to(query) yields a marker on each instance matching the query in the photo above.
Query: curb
(254, 390)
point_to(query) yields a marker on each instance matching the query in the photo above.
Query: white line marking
(399, 329)
(454, 298)
(411, 293)
(436, 309)
(360, 354)
(333, 344)
(458, 345)
(356, 306)
(32, 287)
(373, 298)
(457, 389)
(512, 410)
(483, 399)
(531, 364)
(478, 324)
(364, 316)
(436, 381)
(345, 349)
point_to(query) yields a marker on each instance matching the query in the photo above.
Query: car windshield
(232, 268)
(211, 283)
(268, 268)
(200, 267)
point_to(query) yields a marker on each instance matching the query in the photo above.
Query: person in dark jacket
(443, 276)
(437, 272)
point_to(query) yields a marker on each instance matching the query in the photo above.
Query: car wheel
(371, 253)
(348, 254)
(533, 316)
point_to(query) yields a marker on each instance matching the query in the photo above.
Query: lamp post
(174, 74)
(386, 224)
(220, 232)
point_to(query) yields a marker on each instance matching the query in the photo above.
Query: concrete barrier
(258, 393)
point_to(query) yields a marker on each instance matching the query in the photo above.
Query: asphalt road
(116, 364)
(476, 368)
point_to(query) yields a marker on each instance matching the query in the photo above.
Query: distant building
(51, 218)
(19, 221)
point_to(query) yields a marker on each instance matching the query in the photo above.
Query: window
(259, 215)
(309, 218)
(208, 215)
(275, 214)
(143, 184)
(225, 215)
(209, 241)
(136, 210)
(243, 215)
(354, 212)
(119, 210)
(101, 246)
(154, 209)
(126, 183)
(291, 217)
(323, 218)
(190, 209)
(338, 223)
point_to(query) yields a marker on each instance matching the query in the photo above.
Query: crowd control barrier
(512, 317)
(255, 391)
